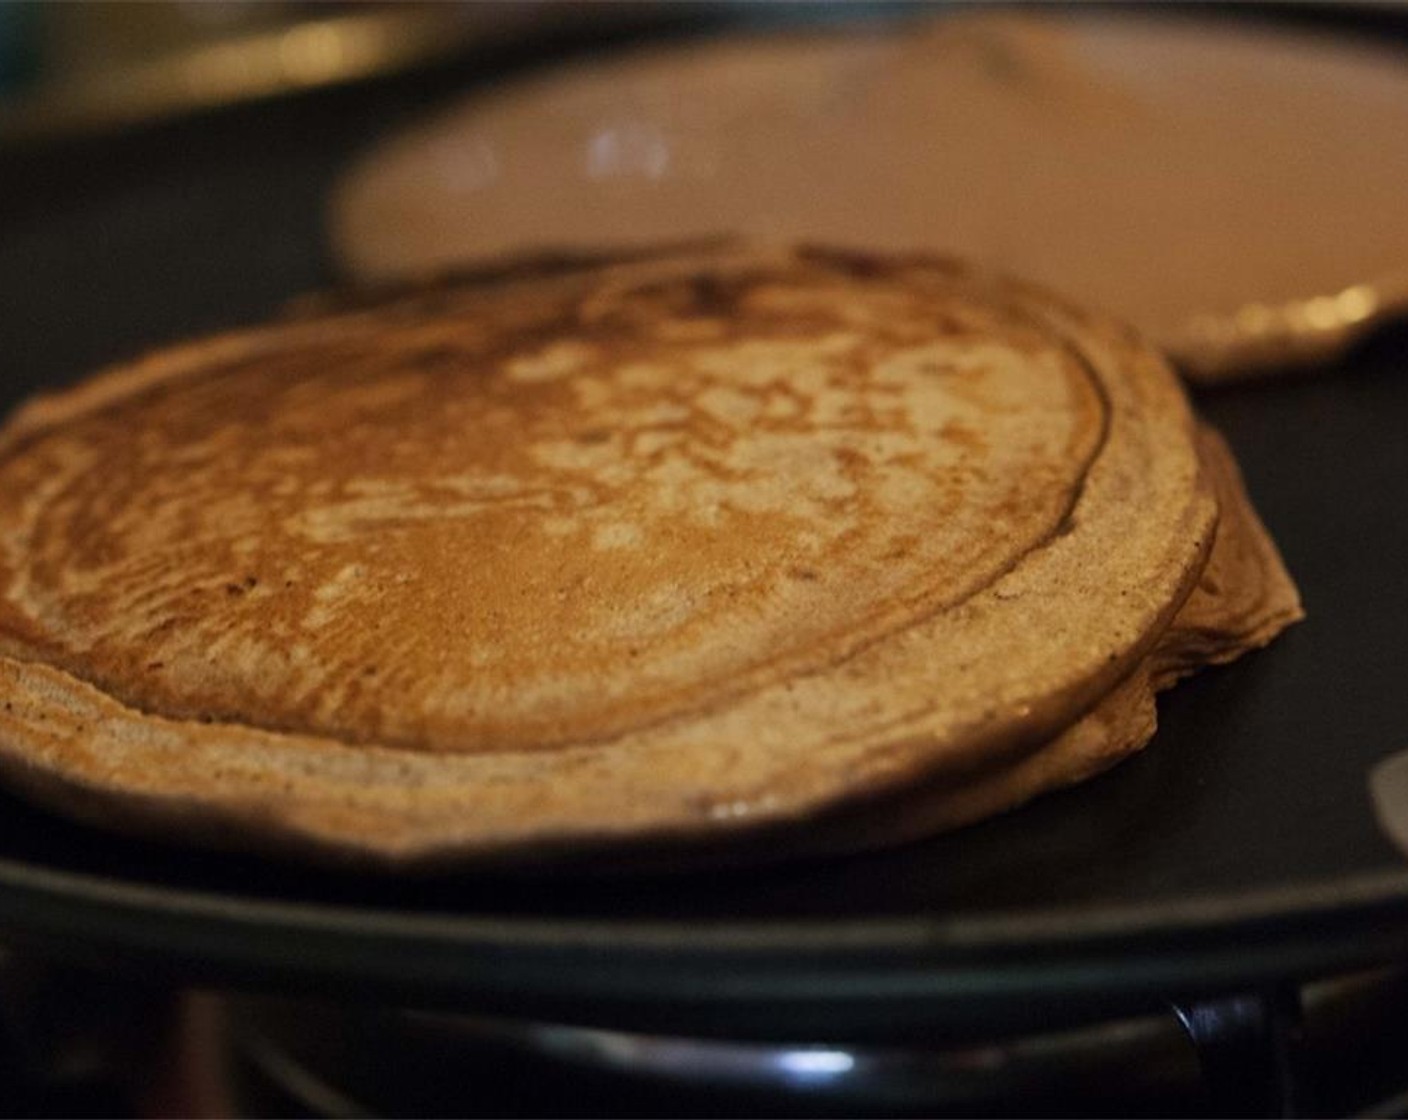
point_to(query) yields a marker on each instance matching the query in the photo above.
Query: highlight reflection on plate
(1234, 191)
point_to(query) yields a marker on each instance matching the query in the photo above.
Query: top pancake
(617, 552)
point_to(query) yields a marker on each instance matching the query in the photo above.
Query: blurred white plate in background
(1234, 190)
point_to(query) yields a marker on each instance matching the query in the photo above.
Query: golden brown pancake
(565, 561)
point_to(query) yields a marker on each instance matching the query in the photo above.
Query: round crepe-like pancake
(555, 561)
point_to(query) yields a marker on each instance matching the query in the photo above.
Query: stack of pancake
(732, 553)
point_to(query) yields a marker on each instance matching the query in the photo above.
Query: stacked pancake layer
(687, 551)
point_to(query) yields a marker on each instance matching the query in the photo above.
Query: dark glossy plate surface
(1239, 846)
